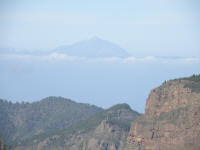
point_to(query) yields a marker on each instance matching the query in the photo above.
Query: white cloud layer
(127, 60)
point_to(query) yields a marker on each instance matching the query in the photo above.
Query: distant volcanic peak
(96, 38)
(94, 47)
(101, 42)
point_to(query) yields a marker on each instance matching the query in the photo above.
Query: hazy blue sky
(144, 27)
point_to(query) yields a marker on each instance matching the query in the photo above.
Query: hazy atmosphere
(96, 52)
(99, 75)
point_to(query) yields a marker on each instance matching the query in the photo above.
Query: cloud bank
(127, 60)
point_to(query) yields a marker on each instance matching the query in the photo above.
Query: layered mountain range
(171, 122)
(58, 123)
(107, 130)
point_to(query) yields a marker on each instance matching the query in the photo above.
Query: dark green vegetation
(195, 78)
(119, 115)
(194, 84)
(22, 120)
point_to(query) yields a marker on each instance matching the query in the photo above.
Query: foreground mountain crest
(171, 120)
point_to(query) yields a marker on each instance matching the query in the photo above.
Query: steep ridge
(22, 120)
(106, 130)
(172, 118)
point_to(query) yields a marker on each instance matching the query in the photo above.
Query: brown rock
(171, 120)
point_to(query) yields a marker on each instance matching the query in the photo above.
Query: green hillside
(119, 115)
(22, 120)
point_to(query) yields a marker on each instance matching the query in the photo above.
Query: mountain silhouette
(94, 47)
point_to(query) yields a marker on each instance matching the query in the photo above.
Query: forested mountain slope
(107, 130)
(22, 120)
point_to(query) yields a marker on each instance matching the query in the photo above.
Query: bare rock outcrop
(171, 120)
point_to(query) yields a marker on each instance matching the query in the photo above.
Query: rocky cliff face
(106, 130)
(171, 120)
